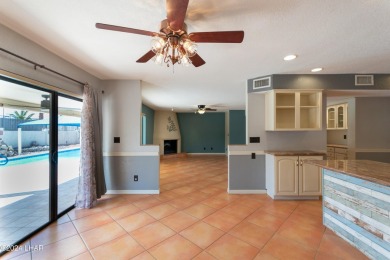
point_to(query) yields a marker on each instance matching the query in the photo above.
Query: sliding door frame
(53, 152)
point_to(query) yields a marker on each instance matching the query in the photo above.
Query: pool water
(74, 153)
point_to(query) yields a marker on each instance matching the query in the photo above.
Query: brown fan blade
(124, 29)
(221, 37)
(176, 12)
(150, 54)
(210, 109)
(197, 61)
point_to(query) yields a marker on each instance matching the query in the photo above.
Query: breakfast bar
(356, 203)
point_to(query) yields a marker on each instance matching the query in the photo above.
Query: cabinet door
(331, 118)
(309, 177)
(340, 156)
(286, 175)
(340, 117)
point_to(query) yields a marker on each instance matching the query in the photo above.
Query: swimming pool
(71, 153)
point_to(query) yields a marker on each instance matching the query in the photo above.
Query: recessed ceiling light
(316, 70)
(290, 57)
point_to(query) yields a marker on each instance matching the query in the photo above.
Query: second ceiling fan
(173, 44)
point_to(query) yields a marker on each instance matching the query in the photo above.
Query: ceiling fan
(173, 44)
(202, 109)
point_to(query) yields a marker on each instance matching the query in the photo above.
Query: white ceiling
(348, 36)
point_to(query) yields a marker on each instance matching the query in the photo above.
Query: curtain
(91, 182)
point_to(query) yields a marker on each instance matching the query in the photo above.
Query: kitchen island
(356, 203)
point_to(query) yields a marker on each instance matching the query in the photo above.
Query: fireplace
(170, 146)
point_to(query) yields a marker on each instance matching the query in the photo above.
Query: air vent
(262, 83)
(364, 80)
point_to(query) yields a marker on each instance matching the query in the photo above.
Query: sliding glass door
(69, 113)
(39, 158)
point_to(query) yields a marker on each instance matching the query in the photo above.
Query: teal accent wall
(149, 113)
(202, 133)
(237, 127)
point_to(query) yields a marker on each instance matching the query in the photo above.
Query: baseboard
(126, 154)
(247, 191)
(206, 154)
(246, 152)
(133, 192)
(276, 197)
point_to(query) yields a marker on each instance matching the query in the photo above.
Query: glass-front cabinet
(337, 116)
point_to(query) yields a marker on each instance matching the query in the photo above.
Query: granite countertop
(337, 145)
(376, 172)
(295, 153)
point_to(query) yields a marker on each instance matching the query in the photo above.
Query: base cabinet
(337, 153)
(288, 176)
(310, 181)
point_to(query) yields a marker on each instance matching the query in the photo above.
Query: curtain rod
(41, 66)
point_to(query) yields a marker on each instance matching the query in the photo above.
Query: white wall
(121, 108)
(41, 138)
(22, 46)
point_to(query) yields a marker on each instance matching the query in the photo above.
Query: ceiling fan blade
(221, 36)
(176, 12)
(124, 29)
(210, 109)
(150, 54)
(197, 61)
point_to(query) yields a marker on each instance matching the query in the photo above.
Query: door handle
(54, 157)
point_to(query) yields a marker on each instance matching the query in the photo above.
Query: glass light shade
(190, 47)
(159, 59)
(157, 44)
(185, 61)
(201, 111)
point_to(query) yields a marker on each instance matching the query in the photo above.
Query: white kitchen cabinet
(289, 176)
(293, 110)
(286, 175)
(310, 180)
(337, 116)
(337, 153)
(340, 153)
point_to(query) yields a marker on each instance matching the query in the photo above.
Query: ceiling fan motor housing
(165, 29)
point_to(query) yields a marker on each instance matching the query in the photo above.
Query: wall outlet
(345, 136)
(117, 140)
(253, 156)
(135, 177)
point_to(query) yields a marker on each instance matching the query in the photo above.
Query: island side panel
(358, 211)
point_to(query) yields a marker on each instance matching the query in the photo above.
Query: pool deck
(25, 215)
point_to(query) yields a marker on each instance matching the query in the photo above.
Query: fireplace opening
(170, 146)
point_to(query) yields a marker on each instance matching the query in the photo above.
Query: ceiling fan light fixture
(201, 111)
(190, 47)
(159, 59)
(157, 44)
(185, 61)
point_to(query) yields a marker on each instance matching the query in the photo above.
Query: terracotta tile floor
(192, 218)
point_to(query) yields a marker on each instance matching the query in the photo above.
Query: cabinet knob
(297, 163)
(301, 162)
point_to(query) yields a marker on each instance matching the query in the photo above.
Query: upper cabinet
(293, 110)
(337, 116)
